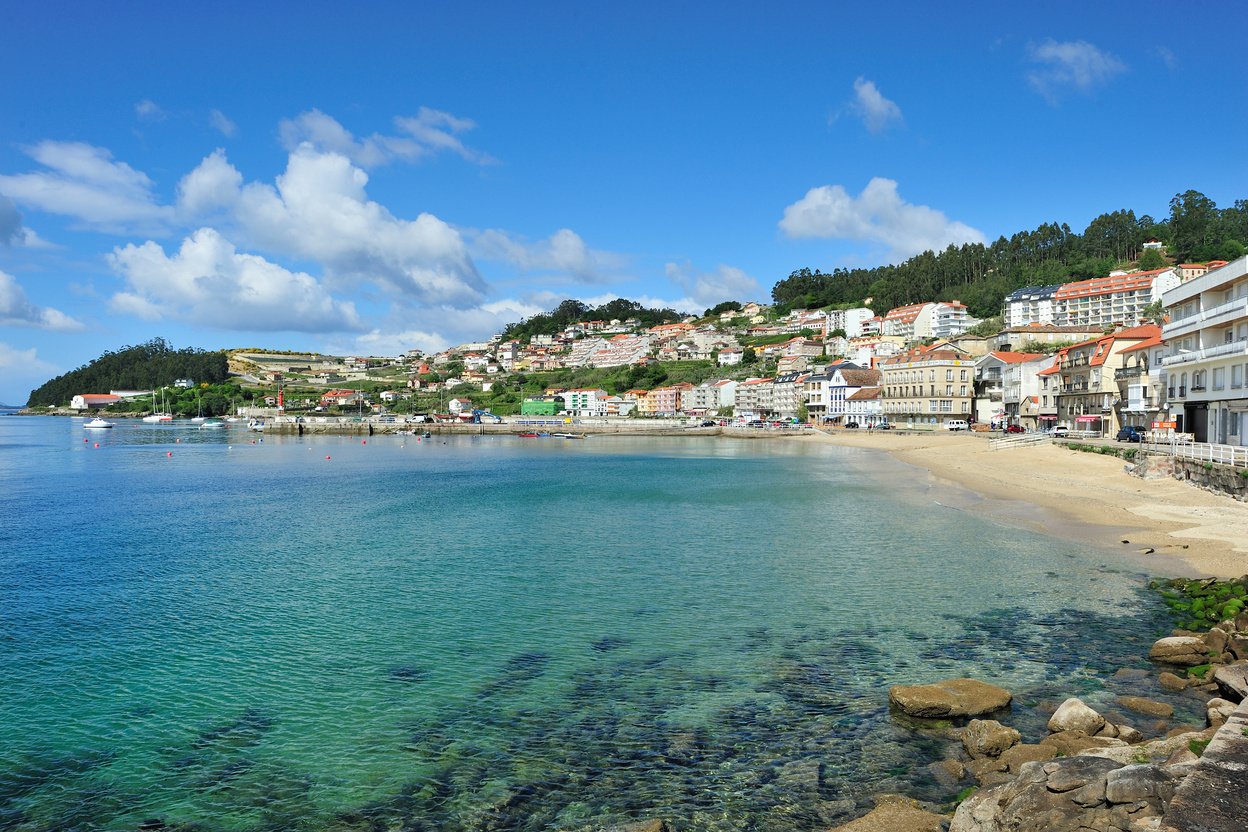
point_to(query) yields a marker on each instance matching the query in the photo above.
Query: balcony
(1123, 373)
(1235, 348)
(1223, 313)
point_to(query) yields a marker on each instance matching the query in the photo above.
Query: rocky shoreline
(1095, 772)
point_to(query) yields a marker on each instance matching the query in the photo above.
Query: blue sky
(395, 175)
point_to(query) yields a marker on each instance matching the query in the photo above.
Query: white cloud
(876, 111)
(12, 232)
(428, 132)
(435, 328)
(877, 215)
(25, 362)
(222, 123)
(17, 310)
(209, 282)
(149, 110)
(564, 252)
(1067, 64)
(320, 210)
(85, 182)
(710, 288)
(1168, 57)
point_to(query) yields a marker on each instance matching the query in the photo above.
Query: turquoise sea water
(200, 632)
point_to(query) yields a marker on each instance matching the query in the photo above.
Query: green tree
(1155, 312)
(749, 356)
(1151, 259)
(1193, 223)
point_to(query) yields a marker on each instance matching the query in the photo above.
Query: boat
(211, 423)
(567, 436)
(256, 425)
(157, 416)
(527, 435)
(97, 424)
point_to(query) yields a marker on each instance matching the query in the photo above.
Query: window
(1237, 376)
(946, 405)
(1219, 378)
(963, 378)
(948, 375)
(962, 391)
(931, 406)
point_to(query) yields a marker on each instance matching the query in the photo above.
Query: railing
(1233, 348)
(1017, 441)
(1239, 306)
(1128, 372)
(1178, 446)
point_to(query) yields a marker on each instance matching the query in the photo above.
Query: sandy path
(1085, 496)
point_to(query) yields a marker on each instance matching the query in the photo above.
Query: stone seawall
(1211, 476)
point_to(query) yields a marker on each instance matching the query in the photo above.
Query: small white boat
(567, 436)
(158, 417)
(97, 424)
(211, 423)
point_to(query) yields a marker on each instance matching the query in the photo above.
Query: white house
(458, 406)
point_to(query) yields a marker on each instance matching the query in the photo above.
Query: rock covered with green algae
(949, 698)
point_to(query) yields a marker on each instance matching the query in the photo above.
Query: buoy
(176, 441)
(327, 456)
(363, 441)
(97, 444)
(169, 453)
(84, 439)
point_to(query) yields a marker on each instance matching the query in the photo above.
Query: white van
(957, 424)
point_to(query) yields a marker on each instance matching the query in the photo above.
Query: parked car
(706, 423)
(1061, 430)
(956, 425)
(851, 424)
(884, 426)
(1131, 433)
(1014, 429)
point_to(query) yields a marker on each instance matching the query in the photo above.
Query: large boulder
(1074, 794)
(1014, 758)
(950, 698)
(894, 813)
(1186, 651)
(1073, 715)
(1148, 707)
(988, 738)
(1069, 743)
(1232, 680)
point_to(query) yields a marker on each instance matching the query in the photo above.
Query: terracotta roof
(865, 394)
(1146, 344)
(1109, 285)
(1016, 357)
(861, 378)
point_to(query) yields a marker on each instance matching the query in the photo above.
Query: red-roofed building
(1088, 396)
(1117, 300)
(942, 319)
(928, 385)
(990, 406)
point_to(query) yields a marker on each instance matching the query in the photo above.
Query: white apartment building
(943, 319)
(585, 401)
(849, 320)
(1031, 305)
(1206, 362)
(1117, 300)
(1020, 390)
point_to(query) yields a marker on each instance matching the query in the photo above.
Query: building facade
(1206, 361)
(927, 385)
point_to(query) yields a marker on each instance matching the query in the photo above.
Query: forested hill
(982, 275)
(571, 311)
(141, 367)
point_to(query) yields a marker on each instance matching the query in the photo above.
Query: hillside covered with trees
(982, 275)
(571, 311)
(140, 367)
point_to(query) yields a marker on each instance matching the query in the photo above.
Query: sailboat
(158, 416)
(200, 417)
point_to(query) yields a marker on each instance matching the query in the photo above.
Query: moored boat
(97, 424)
(567, 436)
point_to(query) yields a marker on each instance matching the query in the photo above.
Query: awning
(1088, 418)
(1048, 418)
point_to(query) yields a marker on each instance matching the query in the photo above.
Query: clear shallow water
(497, 633)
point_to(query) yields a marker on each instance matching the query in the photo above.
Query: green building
(542, 406)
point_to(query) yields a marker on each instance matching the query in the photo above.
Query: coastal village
(1158, 350)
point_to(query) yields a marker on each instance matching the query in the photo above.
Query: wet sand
(1081, 496)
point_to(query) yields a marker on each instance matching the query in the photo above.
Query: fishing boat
(97, 424)
(567, 436)
(527, 435)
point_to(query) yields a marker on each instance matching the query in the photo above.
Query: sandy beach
(1083, 496)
